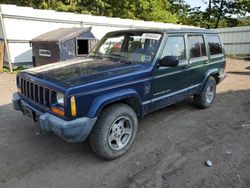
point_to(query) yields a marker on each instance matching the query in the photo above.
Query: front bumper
(76, 130)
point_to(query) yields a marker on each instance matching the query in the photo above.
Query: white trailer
(21, 24)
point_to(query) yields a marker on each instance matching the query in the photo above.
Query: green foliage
(150, 10)
(157, 10)
(244, 22)
(7, 70)
(219, 13)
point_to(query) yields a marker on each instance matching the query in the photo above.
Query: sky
(197, 3)
(203, 4)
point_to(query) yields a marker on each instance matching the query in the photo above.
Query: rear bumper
(76, 130)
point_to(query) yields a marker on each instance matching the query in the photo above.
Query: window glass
(197, 46)
(139, 47)
(175, 46)
(113, 44)
(214, 44)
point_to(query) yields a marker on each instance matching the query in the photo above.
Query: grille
(36, 93)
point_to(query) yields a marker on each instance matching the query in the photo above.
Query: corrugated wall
(236, 41)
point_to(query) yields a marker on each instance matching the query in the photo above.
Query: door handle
(206, 62)
(185, 66)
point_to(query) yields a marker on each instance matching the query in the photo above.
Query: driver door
(169, 83)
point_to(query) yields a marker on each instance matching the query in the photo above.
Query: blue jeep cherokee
(128, 74)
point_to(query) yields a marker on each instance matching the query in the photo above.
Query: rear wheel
(207, 95)
(114, 131)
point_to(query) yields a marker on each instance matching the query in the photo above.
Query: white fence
(20, 24)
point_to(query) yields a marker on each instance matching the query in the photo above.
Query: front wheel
(207, 95)
(114, 131)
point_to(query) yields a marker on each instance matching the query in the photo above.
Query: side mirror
(169, 61)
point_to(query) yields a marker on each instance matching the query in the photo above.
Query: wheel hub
(210, 93)
(120, 133)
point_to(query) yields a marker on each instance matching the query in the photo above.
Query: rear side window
(175, 46)
(214, 44)
(197, 46)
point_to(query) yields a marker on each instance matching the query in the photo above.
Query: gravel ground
(170, 150)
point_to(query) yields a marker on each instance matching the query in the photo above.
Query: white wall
(236, 40)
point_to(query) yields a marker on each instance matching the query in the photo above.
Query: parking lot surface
(170, 150)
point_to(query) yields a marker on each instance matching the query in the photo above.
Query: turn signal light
(73, 106)
(57, 111)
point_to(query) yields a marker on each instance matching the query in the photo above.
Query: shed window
(82, 47)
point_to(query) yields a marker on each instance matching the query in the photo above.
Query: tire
(206, 97)
(114, 131)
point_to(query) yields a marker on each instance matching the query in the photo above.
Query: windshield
(139, 47)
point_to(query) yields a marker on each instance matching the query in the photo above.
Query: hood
(82, 71)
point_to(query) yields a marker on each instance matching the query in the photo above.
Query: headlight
(60, 99)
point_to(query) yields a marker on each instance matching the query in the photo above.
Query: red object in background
(117, 46)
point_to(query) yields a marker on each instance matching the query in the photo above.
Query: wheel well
(216, 77)
(132, 102)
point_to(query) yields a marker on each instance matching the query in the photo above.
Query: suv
(127, 75)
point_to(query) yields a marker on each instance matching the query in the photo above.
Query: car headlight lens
(60, 99)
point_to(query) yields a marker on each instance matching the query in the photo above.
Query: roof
(181, 30)
(189, 30)
(64, 34)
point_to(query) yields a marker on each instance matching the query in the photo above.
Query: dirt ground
(170, 149)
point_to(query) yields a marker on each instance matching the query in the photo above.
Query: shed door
(82, 47)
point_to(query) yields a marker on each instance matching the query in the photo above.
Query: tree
(156, 10)
(219, 13)
(223, 12)
(181, 9)
(244, 21)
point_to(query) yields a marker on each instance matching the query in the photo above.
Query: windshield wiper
(121, 58)
(97, 54)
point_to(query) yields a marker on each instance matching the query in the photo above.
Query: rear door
(198, 58)
(169, 82)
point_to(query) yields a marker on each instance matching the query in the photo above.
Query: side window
(196, 46)
(175, 46)
(214, 44)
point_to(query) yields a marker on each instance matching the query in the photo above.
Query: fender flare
(209, 73)
(103, 100)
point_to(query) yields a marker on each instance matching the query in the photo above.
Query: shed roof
(64, 34)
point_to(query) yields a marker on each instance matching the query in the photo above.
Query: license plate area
(29, 113)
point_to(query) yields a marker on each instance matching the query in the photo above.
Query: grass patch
(19, 68)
